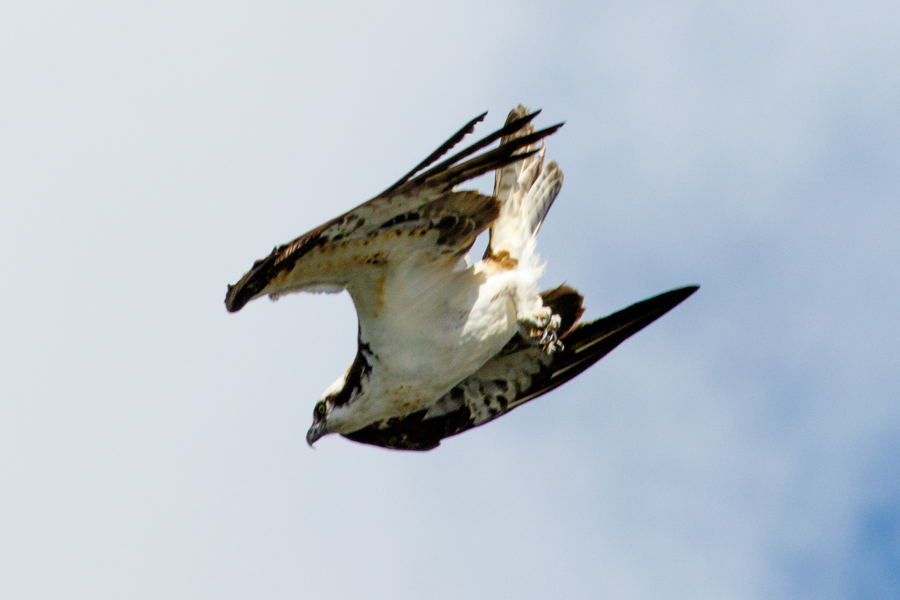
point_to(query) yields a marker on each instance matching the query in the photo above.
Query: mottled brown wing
(334, 256)
(521, 374)
(420, 212)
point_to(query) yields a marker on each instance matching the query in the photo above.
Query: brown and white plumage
(419, 213)
(427, 318)
(437, 334)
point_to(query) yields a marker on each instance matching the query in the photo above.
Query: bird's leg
(540, 328)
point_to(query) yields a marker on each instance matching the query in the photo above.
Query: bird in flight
(445, 345)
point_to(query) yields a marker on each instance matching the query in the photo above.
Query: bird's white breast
(432, 328)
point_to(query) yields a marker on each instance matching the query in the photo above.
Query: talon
(541, 328)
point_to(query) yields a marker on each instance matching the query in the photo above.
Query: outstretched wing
(420, 213)
(520, 373)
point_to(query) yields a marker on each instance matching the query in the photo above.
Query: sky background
(745, 446)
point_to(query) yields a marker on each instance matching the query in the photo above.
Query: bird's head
(338, 411)
(319, 427)
(331, 414)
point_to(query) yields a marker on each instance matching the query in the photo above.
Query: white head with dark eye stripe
(330, 414)
(334, 412)
(319, 425)
(323, 411)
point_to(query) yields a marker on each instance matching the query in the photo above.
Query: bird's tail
(526, 190)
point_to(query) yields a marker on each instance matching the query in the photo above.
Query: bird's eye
(320, 409)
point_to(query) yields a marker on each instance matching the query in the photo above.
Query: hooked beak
(316, 431)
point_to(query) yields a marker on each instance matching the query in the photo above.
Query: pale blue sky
(745, 446)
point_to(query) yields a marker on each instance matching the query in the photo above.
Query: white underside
(434, 322)
(435, 325)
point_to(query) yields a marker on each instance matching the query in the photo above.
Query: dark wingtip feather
(252, 282)
(596, 339)
(441, 150)
(453, 171)
(234, 300)
(587, 343)
(509, 152)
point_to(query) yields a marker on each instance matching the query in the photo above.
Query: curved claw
(540, 328)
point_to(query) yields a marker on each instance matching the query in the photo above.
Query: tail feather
(506, 178)
(526, 190)
(565, 302)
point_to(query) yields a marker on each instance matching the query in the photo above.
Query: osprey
(445, 345)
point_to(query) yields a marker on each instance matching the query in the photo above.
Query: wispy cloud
(742, 447)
